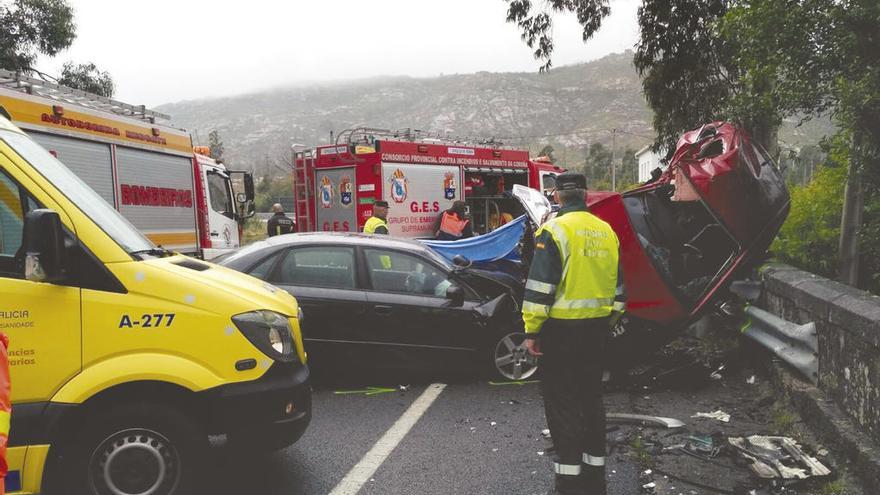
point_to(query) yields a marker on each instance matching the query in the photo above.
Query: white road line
(363, 470)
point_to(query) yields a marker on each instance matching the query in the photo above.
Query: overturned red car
(686, 235)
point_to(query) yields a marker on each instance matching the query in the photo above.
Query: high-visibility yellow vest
(590, 252)
(372, 224)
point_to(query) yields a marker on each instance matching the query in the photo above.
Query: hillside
(521, 109)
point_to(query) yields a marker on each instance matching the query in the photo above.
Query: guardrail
(797, 345)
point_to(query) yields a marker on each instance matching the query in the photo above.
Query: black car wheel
(511, 359)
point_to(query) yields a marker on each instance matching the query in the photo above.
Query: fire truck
(176, 195)
(419, 176)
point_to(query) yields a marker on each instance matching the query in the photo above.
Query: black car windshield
(435, 257)
(79, 193)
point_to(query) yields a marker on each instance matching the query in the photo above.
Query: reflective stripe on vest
(372, 224)
(542, 287)
(451, 224)
(4, 423)
(590, 251)
(531, 307)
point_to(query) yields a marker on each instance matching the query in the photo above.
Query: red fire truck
(335, 185)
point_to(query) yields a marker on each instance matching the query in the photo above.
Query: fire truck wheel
(510, 358)
(138, 449)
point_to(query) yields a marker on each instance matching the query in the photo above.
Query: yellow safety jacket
(375, 225)
(575, 271)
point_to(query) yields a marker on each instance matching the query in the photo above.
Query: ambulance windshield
(80, 194)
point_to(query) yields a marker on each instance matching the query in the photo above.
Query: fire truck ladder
(303, 170)
(368, 135)
(32, 86)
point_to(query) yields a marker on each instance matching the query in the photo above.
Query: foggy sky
(164, 51)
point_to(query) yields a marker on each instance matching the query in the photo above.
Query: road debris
(778, 457)
(642, 418)
(719, 415)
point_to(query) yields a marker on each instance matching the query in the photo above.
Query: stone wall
(848, 323)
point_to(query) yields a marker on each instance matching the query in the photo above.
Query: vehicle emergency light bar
(32, 86)
(369, 135)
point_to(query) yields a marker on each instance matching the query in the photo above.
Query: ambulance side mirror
(45, 255)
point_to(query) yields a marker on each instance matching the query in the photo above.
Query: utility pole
(613, 159)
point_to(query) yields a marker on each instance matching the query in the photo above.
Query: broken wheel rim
(512, 358)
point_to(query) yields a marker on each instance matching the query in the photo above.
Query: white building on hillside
(648, 161)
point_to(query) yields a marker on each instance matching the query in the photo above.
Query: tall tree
(687, 69)
(29, 28)
(548, 152)
(87, 77)
(821, 56)
(215, 143)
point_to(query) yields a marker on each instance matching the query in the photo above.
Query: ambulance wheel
(143, 449)
(511, 360)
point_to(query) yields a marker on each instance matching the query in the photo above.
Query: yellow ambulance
(125, 357)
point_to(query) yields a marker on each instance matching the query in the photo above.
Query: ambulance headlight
(269, 332)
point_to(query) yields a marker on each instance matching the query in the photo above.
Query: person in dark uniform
(280, 223)
(573, 294)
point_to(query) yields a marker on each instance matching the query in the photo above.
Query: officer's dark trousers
(571, 383)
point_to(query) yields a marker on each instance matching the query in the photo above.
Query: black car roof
(351, 238)
(246, 254)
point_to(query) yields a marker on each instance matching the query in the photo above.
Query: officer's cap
(381, 203)
(570, 180)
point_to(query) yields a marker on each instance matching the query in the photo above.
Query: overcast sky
(170, 50)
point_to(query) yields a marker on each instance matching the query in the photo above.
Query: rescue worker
(378, 223)
(5, 407)
(280, 223)
(452, 224)
(573, 293)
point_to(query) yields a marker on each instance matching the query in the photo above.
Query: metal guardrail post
(797, 345)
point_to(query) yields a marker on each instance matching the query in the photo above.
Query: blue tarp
(498, 244)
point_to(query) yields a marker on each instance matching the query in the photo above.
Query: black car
(385, 302)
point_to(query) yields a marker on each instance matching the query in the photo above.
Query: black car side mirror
(461, 261)
(455, 294)
(45, 255)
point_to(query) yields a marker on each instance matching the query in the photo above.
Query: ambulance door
(42, 321)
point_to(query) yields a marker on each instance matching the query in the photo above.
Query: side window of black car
(397, 272)
(323, 266)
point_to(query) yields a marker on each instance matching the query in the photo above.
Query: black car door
(410, 318)
(323, 278)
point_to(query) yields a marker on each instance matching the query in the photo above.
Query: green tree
(820, 56)
(29, 28)
(87, 77)
(215, 143)
(548, 152)
(809, 236)
(688, 71)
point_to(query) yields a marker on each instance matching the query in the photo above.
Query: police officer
(377, 223)
(571, 293)
(280, 223)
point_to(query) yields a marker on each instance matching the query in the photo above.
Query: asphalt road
(474, 438)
